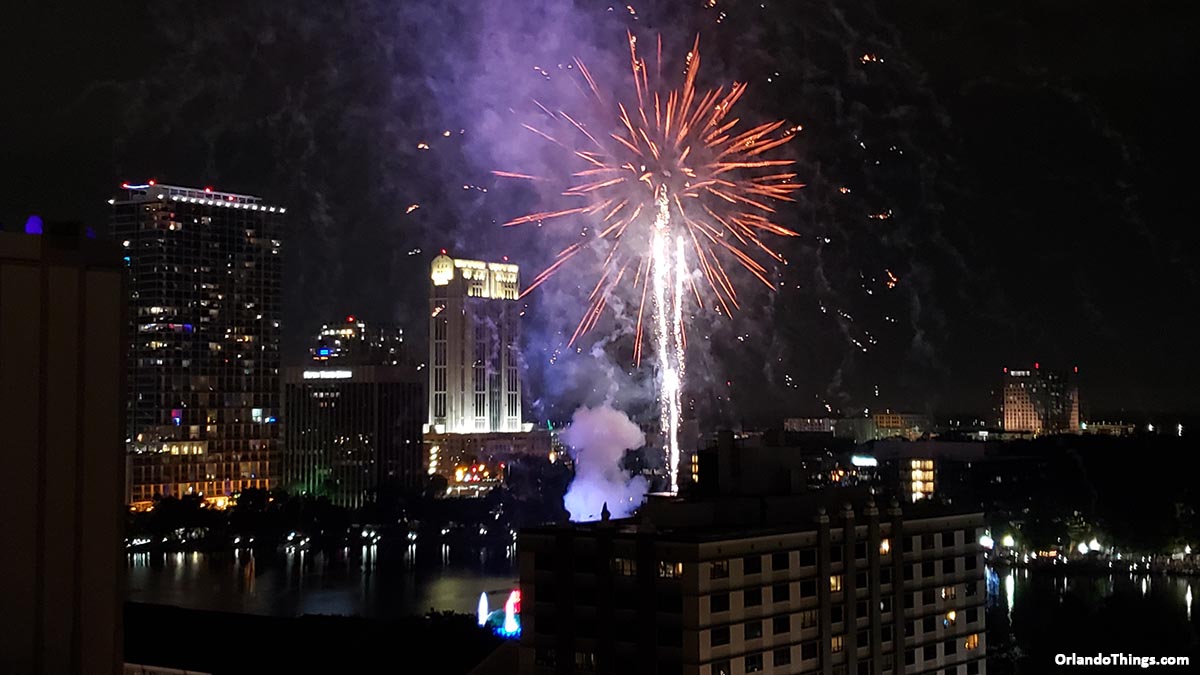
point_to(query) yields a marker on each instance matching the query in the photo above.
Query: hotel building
(749, 585)
(474, 347)
(1039, 402)
(203, 365)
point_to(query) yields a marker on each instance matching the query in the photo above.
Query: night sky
(1034, 160)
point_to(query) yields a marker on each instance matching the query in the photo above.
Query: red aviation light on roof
(350, 319)
(1036, 365)
(207, 188)
(443, 251)
(151, 182)
(1006, 369)
(125, 186)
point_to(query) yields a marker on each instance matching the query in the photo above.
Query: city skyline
(530, 337)
(1030, 283)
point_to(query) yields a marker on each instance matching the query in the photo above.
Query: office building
(62, 323)
(1039, 401)
(755, 585)
(354, 342)
(353, 429)
(203, 362)
(474, 347)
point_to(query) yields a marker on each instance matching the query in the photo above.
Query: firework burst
(674, 174)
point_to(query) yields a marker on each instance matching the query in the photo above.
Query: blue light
(126, 259)
(33, 225)
(270, 420)
(323, 351)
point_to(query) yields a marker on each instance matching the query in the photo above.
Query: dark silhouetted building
(354, 419)
(755, 584)
(203, 362)
(62, 319)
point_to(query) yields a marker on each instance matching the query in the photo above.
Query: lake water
(380, 581)
(1032, 615)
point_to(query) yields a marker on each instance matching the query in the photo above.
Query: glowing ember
(678, 176)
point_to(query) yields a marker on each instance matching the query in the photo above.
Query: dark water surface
(383, 582)
(1032, 615)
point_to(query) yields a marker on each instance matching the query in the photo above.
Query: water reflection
(1034, 614)
(370, 580)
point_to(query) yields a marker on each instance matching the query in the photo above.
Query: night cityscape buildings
(1039, 401)
(353, 415)
(205, 276)
(756, 584)
(227, 446)
(354, 342)
(474, 347)
(62, 330)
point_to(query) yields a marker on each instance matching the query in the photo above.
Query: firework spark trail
(676, 156)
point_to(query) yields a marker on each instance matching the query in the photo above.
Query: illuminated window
(835, 644)
(949, 593)
(624, 567)
(972, 641)
(808, 619)
(585, 661)
(670, 570)
(951, 618)
(885, 547)
(835, 583)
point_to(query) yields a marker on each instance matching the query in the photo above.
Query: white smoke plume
(598, 438)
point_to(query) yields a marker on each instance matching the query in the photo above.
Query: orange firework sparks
(677, 153)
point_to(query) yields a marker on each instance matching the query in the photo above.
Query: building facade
(1039, 402)
(883, 425)
(62, 325)
(474, 347)
(204, 322)
(353, 429)
(809, 425)
(853, 592)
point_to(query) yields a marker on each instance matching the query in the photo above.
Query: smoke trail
(598, 439)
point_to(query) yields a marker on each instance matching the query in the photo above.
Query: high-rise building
(62, 320)
(353, 429)
(353, 341)
(203, 363)
(1039, 401)
(474, 347)
(755, 585)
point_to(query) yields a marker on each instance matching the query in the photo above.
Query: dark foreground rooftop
(222, 642)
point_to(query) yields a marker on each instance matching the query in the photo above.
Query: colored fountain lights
(507, 622)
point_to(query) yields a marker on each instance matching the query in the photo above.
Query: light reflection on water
(1034, 614)
(376, 581)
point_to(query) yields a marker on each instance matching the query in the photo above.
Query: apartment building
(781, 585)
